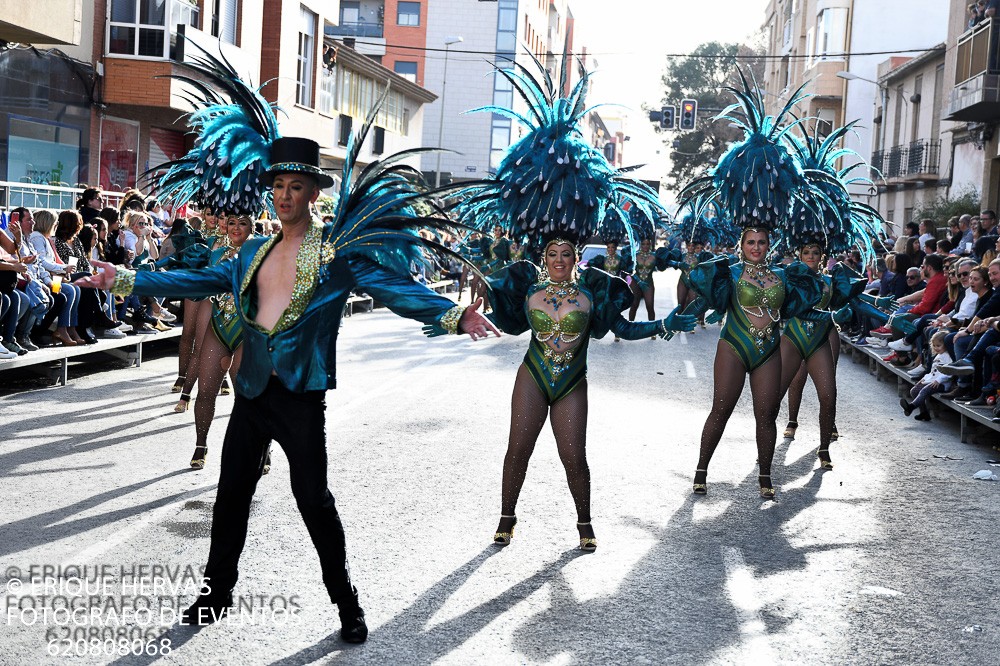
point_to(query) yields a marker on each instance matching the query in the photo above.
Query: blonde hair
(131, 217)
(45, 222)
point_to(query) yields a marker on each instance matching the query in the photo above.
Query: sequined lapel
(307, 264)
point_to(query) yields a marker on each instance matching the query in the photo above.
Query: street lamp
(448, 41)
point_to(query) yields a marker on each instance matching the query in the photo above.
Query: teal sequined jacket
(302, 347)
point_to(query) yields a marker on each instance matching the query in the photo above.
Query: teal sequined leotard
(753, 344)
(557, 355)
(842, 287)
(645, 264)
(562, 318)
(808, 336)
(225, 319)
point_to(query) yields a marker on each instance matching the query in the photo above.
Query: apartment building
(822, 44)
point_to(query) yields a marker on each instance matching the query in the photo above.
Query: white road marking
(689, 366)
(740, 585)
(684, 338)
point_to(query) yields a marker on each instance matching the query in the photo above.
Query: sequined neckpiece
(556, 293)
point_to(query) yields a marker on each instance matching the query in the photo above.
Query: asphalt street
(891, 558)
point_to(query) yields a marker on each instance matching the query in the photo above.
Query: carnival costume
(756, 185)
(287, 368)
(838, 224)
(613, 232)
(551, 192)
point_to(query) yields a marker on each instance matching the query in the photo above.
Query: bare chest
(274, 283)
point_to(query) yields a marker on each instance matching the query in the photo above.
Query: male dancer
(291, 289)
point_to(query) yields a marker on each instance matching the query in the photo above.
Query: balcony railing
(911, 161)
(359, 29)
(977, 51)
(55, 197)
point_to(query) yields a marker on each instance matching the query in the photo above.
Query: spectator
(988, 237)
(976, 13)
(965, 244)
(971, 342)
(158, 213)
(275, 227)
(911, 230)
(71, 252)
(930, 247)
(954, 232)
(57, 281)
(914, 252)
(964, 293)
(927, 231)
(933, 293)
(944, 247)
(934, 382)
(90, 204)
(30, 281)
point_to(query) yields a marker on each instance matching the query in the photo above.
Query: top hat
(291, 154)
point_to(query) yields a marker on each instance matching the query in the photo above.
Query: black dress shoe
(352, 625)
(207, 608)
(978, 402)
(924, 415)
(906, 405)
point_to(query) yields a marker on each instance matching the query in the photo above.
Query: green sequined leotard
(809, 336)
(645, 264)
(226, 321)
(754, 345)
(557, 355)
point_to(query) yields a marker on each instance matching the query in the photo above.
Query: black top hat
(292, 154)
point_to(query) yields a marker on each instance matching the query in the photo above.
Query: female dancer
(612, 233)
(200, 323)
(551, 190)
(642, 279)
(220, 347)
(196, 318)
(562, 312)
(756, 184)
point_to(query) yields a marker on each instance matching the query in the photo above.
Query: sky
(629, 44)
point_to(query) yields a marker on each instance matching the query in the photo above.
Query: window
(143, 27)
(407, 69)
(831, 33)
(224, 20)
(350, 12)
(307, 48)
(327, 90)
(408, 13)
(42, 153)
(824, 121)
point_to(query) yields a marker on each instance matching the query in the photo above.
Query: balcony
(916, 161)
(976, 95)
(42, 22)
(356, 29)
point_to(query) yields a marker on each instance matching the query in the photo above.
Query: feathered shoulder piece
(552, 183)
(380, 210)
(834, 221)
(235, 127)
(756, 181)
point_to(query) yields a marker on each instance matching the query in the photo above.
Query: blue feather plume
(235, 127)
(552, 183)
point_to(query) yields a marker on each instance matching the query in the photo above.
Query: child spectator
(933, 382)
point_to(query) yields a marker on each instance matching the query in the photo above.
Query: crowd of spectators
(43, 251)
(950, 292)
(981, 10)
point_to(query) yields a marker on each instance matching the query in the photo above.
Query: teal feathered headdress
(834, 221)
(552, 183)
(379, 213)
(757, 181)
(235, 127)
(626, 223)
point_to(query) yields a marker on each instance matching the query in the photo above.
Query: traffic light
(689, 114)
(668, 115)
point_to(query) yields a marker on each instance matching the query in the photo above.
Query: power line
(696, 56)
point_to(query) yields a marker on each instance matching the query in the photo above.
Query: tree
(942, 208)
(701, 76)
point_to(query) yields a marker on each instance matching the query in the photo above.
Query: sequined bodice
(691, 260)
(644, 263)
(824, 301)
(750, 295)
(516, 252)
(566, 329)
(612, 264)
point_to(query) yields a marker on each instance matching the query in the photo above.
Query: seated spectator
(57, 280)
(910, 230)
(954, 232)
(90, 204)
(914, 252)
(988, 238)
(944, 247)
(72, 253)
(930, 247)
(964, 245)
(970, 343)
(932, 296)
(927, 231)
(934, 382)
(30, 282)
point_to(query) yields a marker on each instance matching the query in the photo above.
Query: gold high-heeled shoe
(503, 538)
(179, 384)
(766, 492)
(700, 488)
(183, 404)
(824, 463)
(587, 544)
(834, 435)
(225, 389)
(160, 326)
(198, 462)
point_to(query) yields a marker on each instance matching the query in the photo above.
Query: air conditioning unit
(378, 142)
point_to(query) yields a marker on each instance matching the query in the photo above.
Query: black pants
(297, 422)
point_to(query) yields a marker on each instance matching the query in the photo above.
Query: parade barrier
(884, 371)
(128, 348)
